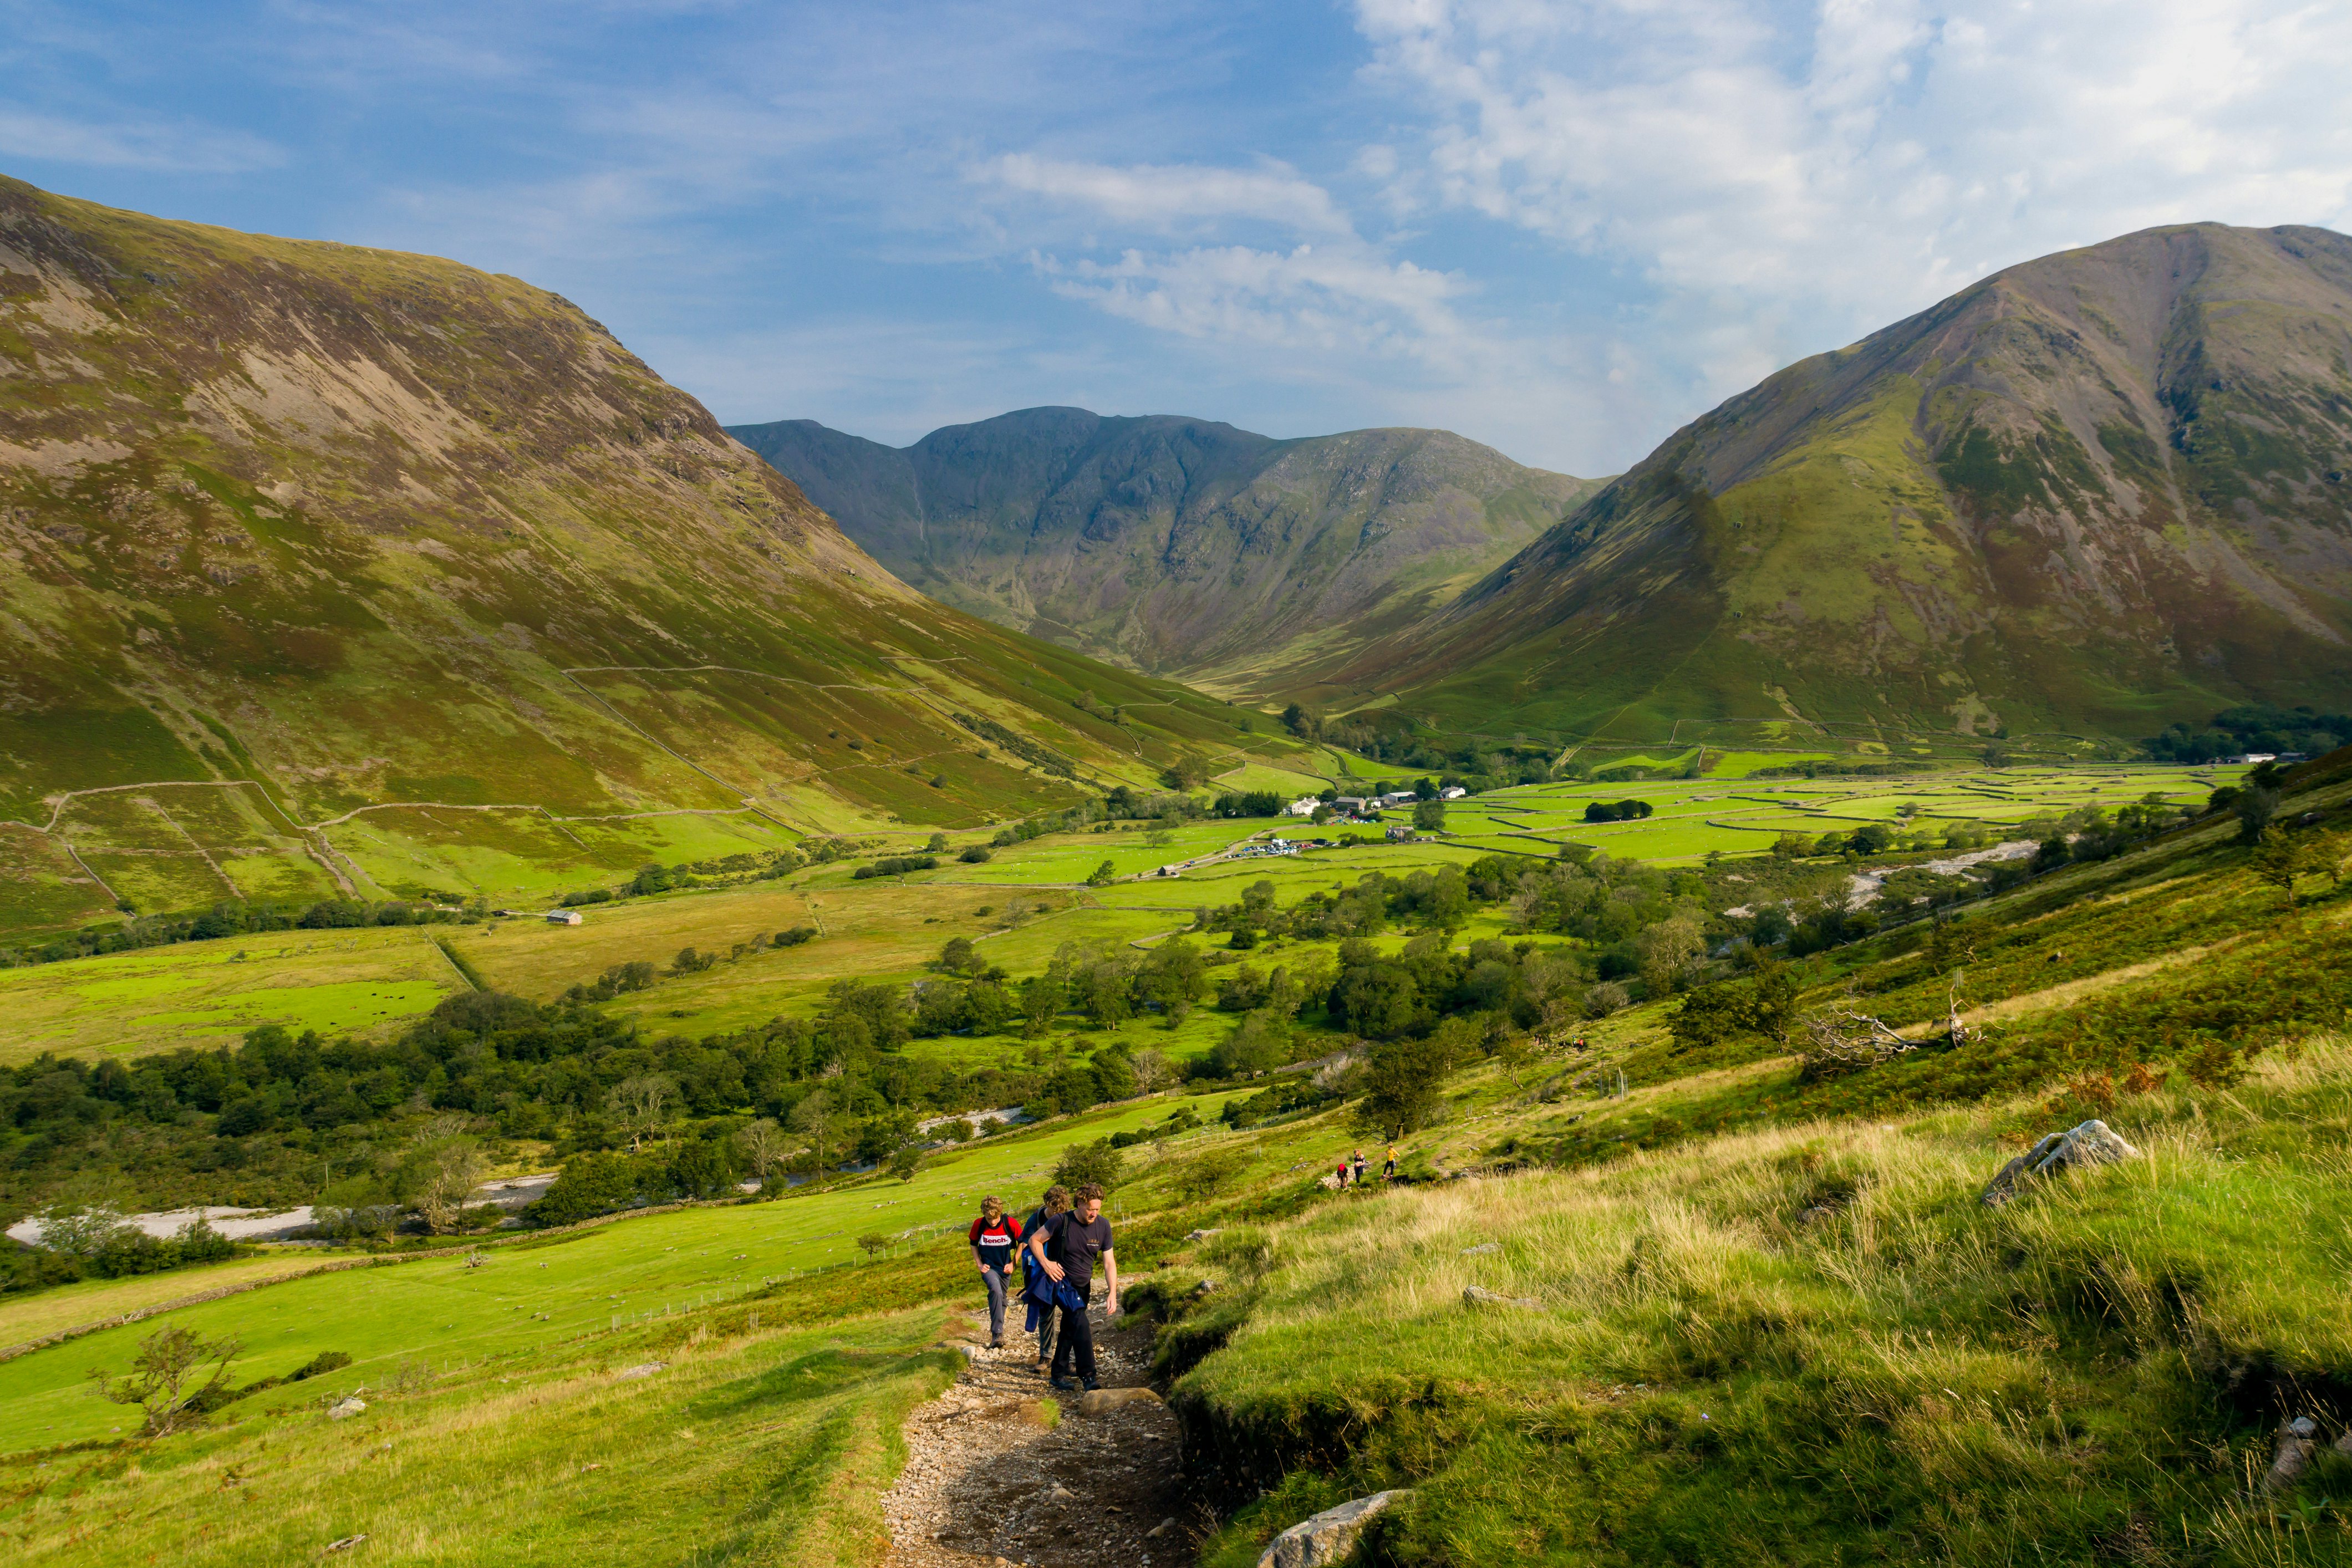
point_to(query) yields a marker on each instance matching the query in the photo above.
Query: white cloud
(1790, 178)
(1172, 196)
(1329, 307)
(1336, 296)
(148, 145)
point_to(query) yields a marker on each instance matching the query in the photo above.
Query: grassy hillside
(1767, 1319)
(339, 572)
(2097, 492)
(1180, 546)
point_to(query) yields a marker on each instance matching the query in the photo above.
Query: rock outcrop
(2091, 1143)
(1329, 1537)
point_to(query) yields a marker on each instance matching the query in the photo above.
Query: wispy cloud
(1829, 169)
(1172, 196)
(151, 145)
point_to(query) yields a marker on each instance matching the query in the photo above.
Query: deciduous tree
(167, 1377)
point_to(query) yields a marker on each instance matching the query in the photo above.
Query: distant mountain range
(2101, 491)
(331, 569)
(1181, 547)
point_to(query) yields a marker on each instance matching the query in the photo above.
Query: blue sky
(1561, 228)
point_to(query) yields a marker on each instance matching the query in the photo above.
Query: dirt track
(987, 1482)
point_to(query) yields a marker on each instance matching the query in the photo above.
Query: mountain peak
(2098, 489)
(1176, 544)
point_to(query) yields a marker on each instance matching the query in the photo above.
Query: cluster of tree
(93, 1243)
(1439, 897)
(1617, 811)
(1108, 985)
(896, 865)
(600, 1183)
(751, 865)
(237, 918)
(1250, 803)
(264, 1122)
(1764, 1004)
(639, 974)
(2253, 727)
(1069, 821)
(1126, 803)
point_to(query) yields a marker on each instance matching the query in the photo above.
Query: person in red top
(996, 1238)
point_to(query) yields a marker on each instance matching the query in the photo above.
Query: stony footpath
(1003, 1468)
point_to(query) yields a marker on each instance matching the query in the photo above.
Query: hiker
(1343, 1173)
(1388, 1172)
(1041, 1318)
(1360, 1167)
(1080, 1235)
(994, 1236)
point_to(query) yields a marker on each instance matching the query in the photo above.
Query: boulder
(1329, 1537)
(346, 1407)
(1479, 1296)
(2092, 1143)
(1482, 1249)
(2297, 1440)
(646, 1370)
(1103, 1401)
(1199, 1234)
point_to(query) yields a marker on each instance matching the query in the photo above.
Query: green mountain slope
(2098, 491)
(1180, 546)
(305, 532)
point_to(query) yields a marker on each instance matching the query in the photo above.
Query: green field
(210, 993)
(1694, 817)
(890, 928)
(417, 851)
(573, 1284)
(1730, 1268)
(767, 1444)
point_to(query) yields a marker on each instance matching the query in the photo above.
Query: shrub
(591, 1184)
(1403, 1084)
(795, 936)
(320, 1365)
(896, 865)
(974, 854)
(1605, 998)
(1096, 1162)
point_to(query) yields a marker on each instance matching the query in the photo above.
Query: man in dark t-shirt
(1077, 1239)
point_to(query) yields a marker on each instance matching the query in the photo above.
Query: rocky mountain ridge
(1178, 546)
(2097, 491)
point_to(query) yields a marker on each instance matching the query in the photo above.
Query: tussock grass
(750, 1447)
(1811, 1343)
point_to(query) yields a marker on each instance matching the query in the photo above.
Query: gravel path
(987, 1482)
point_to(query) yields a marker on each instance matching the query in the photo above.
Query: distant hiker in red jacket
(996, 1238)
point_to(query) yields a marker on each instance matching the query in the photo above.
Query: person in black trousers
(1079, 1237)
(1057, 1201)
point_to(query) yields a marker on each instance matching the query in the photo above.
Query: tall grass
(760, 1446)
(1812, 1344)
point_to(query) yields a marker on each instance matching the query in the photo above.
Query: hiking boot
(1092, 1385)
(1067, 1384)
(997, 1343)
